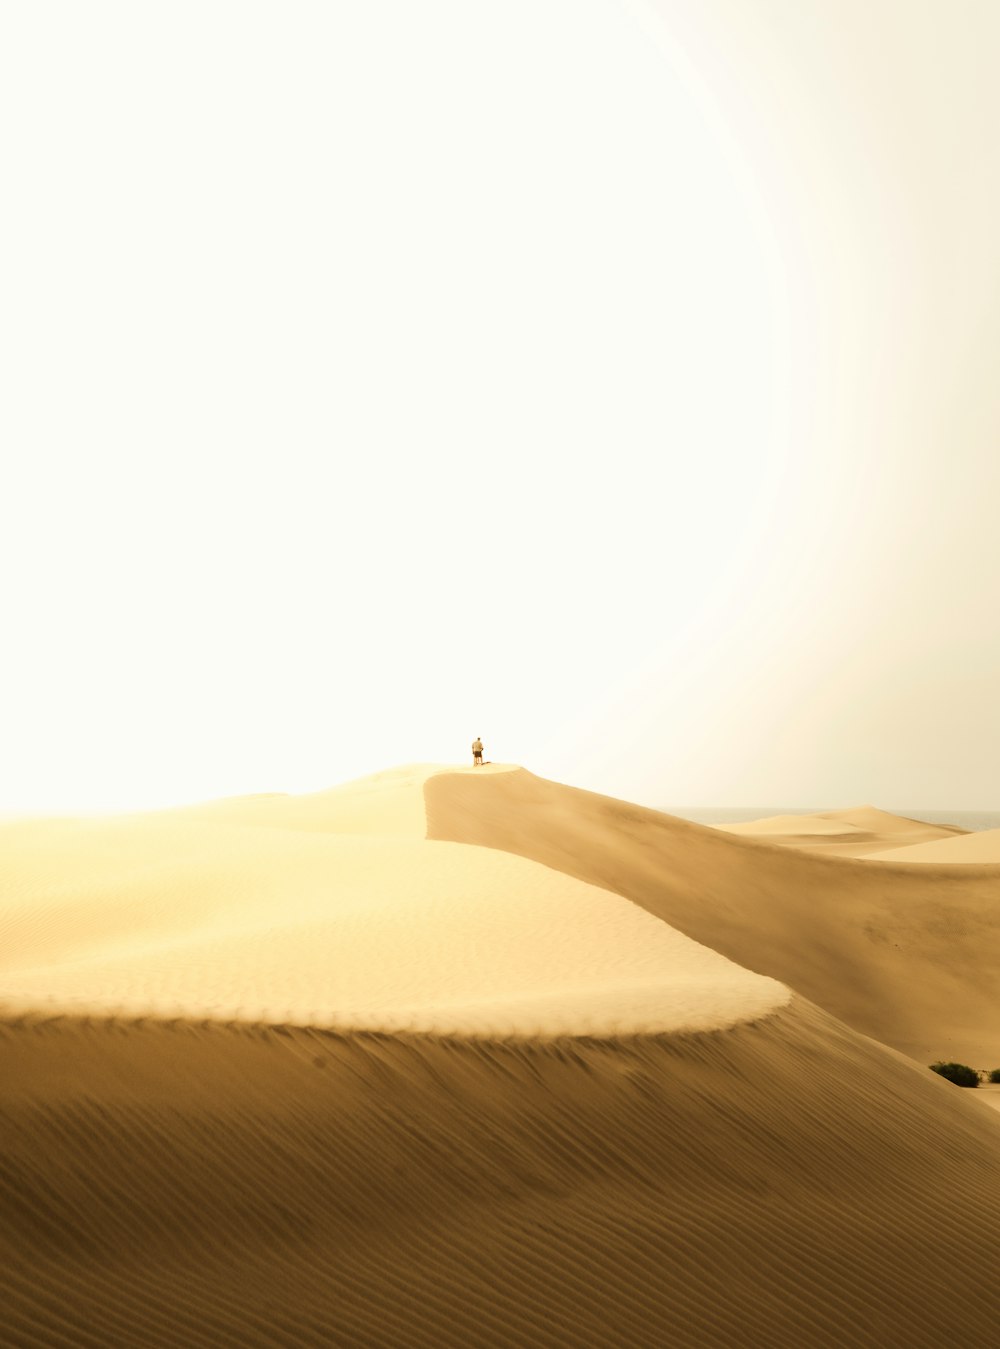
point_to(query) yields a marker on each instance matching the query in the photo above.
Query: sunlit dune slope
(389, 802)
(291, 917)
(983, 846)
(847, 833)
(908, 955)
(780, 1183)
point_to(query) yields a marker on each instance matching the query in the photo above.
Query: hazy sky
(618, 381)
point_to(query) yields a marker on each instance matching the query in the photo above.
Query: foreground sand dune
(280, 1071)
(910, 956)
(781, 1183)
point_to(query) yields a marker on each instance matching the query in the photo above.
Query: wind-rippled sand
(458, 1058)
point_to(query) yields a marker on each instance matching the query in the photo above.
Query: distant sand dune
(282, 1071)
(983, 846)
(860, 832)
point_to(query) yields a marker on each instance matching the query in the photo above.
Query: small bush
(959, 1073)
(995, 1075)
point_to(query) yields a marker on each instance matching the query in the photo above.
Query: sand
(983, 846)
(910, 956)
(445, 1058)
(252, 910)
(861, 832)
(989, 1094)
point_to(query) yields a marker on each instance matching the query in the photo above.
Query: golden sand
(445, 1058)
(966, 849)
(861, 832)
(910, 956)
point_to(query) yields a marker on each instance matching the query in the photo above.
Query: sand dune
(859, 832)
(968, 848)
(383, 934)
(389, 802)
(781, 1183)
(291, 917)
(282, 1071)
(910, 956)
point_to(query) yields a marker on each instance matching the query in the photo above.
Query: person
(477, 752)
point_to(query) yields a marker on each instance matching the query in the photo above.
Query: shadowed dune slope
(908, 955)
(782, 1183)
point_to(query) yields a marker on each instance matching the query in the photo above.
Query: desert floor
(453, 1057)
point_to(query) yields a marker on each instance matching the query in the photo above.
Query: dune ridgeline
(454, 1057)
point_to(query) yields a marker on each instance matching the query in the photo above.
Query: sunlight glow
(380, 375)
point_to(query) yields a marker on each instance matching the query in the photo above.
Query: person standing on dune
(477, 752)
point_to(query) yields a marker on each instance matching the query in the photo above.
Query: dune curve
(910, 956)
(199, 914)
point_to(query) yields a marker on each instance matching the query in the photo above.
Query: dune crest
(389, 802)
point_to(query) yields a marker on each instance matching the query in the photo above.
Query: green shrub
(959, 1073)
(995, 1075)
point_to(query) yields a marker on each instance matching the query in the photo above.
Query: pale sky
(615, 380)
